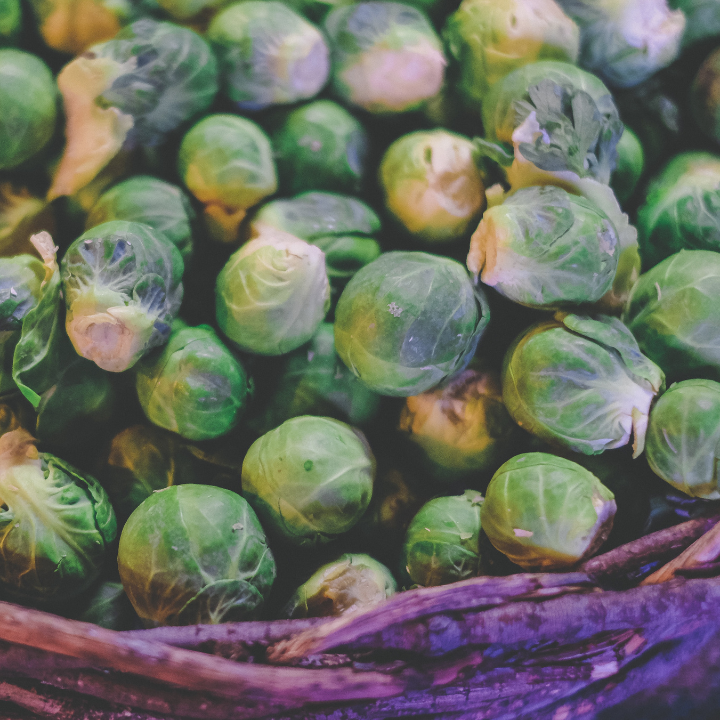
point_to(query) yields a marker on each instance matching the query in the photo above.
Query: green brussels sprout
(321, 146)
(702, 19)
(272, 294)
(387, 57)
(195, 554)
(22, 214)
(442, 544)
(142, 459)
(314, 381)
(672, 311)
(10, 21)
(268, 54)
(684, 436)
(546, 513)
(408, 320)
(28, 98)
(488, 39)
(462, 428)
(682, 208)
(432, 184)
(227, 164)
(704, 96)
(582, 383)
(132, 90)
(350, 583)
(338, 224)
(626, 41)
(558, 117)
(56, 524)
(545, 248)
(144, 199)
(630, 165)
(310, 479)
(194, 385)
(123, 287)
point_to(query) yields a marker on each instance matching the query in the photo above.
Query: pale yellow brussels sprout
(432, 184)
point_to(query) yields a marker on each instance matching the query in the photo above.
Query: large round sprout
(682, 208)
(673, 313)
(490, 38)
(546, 513)
(321, 146)
(387, 56)
(310, 479)
(268, 54)
(629, 167)
(10, 21)
(313, 381)
(144, 199)
(442, 543)
(545, 248)
(56, 524)
(407, 321)
(626, 41)
(581, 382)
(462, 428)
(558, 116)
(273, 293)
(432, 184)
(227, 163)
(195, 554)
(354, 581)
(194, 385)
(28, 98)
(683, 439)
(123, 287)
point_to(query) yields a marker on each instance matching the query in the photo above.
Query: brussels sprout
(582, 383)
(132, 90)
(227, 164)
(407, 321)
(268, 54)
(310, 479)
(352, 582)
(546, 513)
(141, 460)
(108, 606)
(123, 287)
(672, 311)
(144, 199)
(684, 437)
(28, 98)
(462, 428)
(314, 381)
(545, 248)
(321, 146)
(194, 385)
(273, 293)
(72, 26)
(387, 58)
(630, 165)
(626, 41)
(195, 554)
(704, 96)
(490, 38)
(442, 544)
(558, 116)
(682, 208)
(432, 184)
(337, 224)
(22, 214)
(702, 19)
(10, 21)
(55, 523)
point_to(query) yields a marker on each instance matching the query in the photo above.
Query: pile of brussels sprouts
(306, 303)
